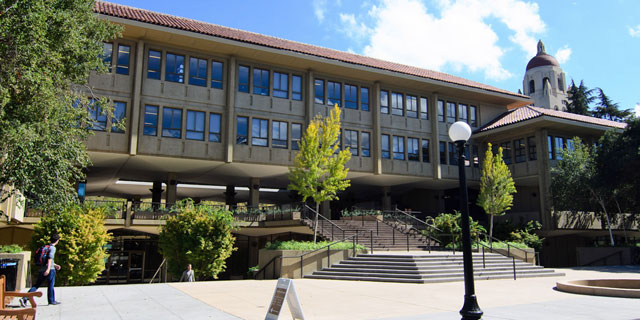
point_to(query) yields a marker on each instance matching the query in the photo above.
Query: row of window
(122, 57)
(398, 101)
(517, 150)
(394, 146)
(461, 112)
(450, 149)
(557, 145)
(99, 117)
(202, 72)
(267, 83)
(195, 128)
(532, 85)
(355, 97)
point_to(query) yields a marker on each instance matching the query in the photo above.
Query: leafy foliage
(310, 246)
(197, 235)
(496, 186)
(450, 229)
(580, 97)
(11, 248)
(607, 109)
(528, 235)
(81, 252)
(47, 49)
(359, 212)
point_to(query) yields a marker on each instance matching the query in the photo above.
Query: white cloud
(638, 110)
(635, 31)
(352, 28)
(563, 54)
(319, 8)
(459, 37)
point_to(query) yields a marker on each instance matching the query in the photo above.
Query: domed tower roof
(542, 58)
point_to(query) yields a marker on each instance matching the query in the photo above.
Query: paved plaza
(529, 298)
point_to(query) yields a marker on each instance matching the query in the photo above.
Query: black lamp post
(459, 133)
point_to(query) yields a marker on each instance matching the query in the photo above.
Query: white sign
(285, 291)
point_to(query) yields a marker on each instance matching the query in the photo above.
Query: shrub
(10, 248)
(197, 235)
(310, 245)
(450, 229)
(81, 252)
(359, 212)
(528, 236)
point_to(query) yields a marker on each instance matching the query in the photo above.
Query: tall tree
(607, 109)
(319, 170)
(496, 186)
(580, 97)
(47, 49)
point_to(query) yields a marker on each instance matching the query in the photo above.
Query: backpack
(42, 255)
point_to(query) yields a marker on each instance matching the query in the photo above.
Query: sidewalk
(529, 298)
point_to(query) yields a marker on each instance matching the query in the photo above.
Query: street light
(459, 133)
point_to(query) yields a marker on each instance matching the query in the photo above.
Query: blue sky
(486, 41)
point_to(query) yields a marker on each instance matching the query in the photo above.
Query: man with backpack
(48, 268)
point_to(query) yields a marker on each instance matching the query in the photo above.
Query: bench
(16, 313)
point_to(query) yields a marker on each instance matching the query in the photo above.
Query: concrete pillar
(128, 215)
(230, 196)
(386, 199)
(156, 192)
(254, 192)
(229, 117)
(172, 188)
(375, 112)
(134, 117)
(435, 137)
(544, 179)
(310, 98)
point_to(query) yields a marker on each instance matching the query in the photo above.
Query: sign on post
(285, 291)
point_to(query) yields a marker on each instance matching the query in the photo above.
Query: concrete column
(254, 192)
(435, 137)
(386, 198)
(156, 192)
(375, 135)
(544, 179)
(128, 215)
(134, 118)
(172, 188)
(230, 196)
(229, 118)
(309, 98)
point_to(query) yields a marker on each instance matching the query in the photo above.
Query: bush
(359, 212)
(197, 235)
(11, 248)
(310, 245)
(528, 236)
(81, 252)
(450, 229)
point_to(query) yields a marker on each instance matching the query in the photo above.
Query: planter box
(529, 256)
(290, 267)
(283, 216)
(364, 218)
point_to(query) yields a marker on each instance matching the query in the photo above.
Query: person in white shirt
(187, 275)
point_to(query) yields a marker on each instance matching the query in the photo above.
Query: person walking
(187, 275)
(47, 272)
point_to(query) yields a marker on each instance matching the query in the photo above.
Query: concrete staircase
(428, 268)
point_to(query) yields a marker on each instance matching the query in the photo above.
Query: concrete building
(215, 113)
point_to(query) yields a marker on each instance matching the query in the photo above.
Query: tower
(544, 81)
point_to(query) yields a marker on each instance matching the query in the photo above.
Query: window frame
(384, 101)
(107, 59)
(413, 144)
(398, 148)
(412, 106)
(473, 116)
(261, 139)
(212, 132)
(167, 130)
(217, 80)
(195, 119)
(385, 138)
(97, 115)
(296, 94)
(364, 98)
(123, 63)
(176, 76)
(334, 96)
(440, 107)
(453, 154)
(365, 148)
(442, 145)
(318, 89)
(350, 96)
(451, 116)
(261, 81)
(146, 121)
(278, 90)
(151, 72)
(116, 117)
(349, 136)
(244, 72)
(276, 134)
(295, 139)
(426, 155)
(397, 98)
(198, 78)
(463, 113)
(424, 108)
(520, 150)
(239, 133)
(532, 148)
(506, 152)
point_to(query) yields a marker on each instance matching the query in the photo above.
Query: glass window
(412, 106)
(519, 150)
(474, 154)
(351, 140)
(216, 74)
(261, 81)
(174, 70)
(98, 117)
(335, 96)
(531, 143)
(364, 99)
(451, 112)
(570, 145)
(259, 132)
(473, 116)
(463, 114)
(467, 162)
(384, 101)
(198, 72)
(171, 122)
(559, 146)
(398, 148)
(122, 65)
(119, 113)
(443, 152)
(107, 54)
(154, 62)
(243, 79)
(397, 105)
(550, 145)
(280, 85)
(241, 130)
(532, 86)
(440, 110)
(453, 154)
(214, 127)
(413, 151)
(280, 136)
(296, 87)
(365, 146)
(195, 125)
(385, 146)
(425, 150)
(424, 108)
(150, 120)
(296, 135)
(506, 152)
(350, 96)
(318, 85)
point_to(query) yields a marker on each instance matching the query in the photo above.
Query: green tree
(496, 187)
(47, 51)
(198, 235)
(575, 183)
(81, 252)
(319, 170)
(448, 228)
(580, 97)
(607, 109)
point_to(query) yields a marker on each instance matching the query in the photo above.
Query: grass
(309, 246)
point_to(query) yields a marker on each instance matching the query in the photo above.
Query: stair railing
(605, 258)
(263, 269)
(484, 266)
(321, 218)
(158, 270)
(398, 216)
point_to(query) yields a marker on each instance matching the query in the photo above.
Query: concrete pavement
(530, 298)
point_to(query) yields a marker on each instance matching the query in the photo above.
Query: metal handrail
(255, 276)
(491, 250)
(416, 219)
(321, 216)
(619, 253)
(158, 270)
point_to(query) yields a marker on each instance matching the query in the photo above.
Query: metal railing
(114, 209)
(309, 215)
(162, 264)
(605, 258)
(152, 210)
(256, 214)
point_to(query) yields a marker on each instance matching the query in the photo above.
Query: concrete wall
(290, 267)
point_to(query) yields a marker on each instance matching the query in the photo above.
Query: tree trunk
(624, 222)
(315, 222)
(604, 208)
(490, 229)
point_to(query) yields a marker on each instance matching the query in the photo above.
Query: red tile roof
(529, 112)
(161, 19)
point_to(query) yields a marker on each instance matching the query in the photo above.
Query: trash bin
(9, 268)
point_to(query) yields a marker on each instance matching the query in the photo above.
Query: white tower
(544, 81)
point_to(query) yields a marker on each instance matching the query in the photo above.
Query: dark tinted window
(242, 133)
(214, 127)
(198, 72)
(174, 70)
(413, 150)
(296, 87)
(243, 79)
(261, 82)
(385, 147)
(366, 144)
(154, 61)
(171, 122)
(364, 99)
(350, 96)
(280, 85)
(334, 93)
(296, 134)
(150, 120)
(124, 52)
(216, 74)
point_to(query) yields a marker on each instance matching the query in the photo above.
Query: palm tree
(607, 109)
(580, 97)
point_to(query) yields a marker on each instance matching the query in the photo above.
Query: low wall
(616, 256)
(290, 267)
(526, 255)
